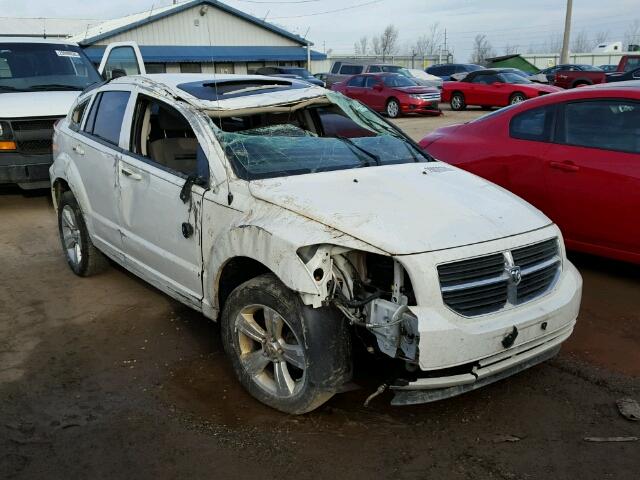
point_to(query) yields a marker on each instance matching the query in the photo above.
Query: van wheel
(457, 102)
(393, 108)
(288, 356)
(82, 256)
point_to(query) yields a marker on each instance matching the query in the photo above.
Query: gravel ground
(105, 377)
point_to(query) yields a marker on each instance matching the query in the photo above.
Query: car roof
(251, 98)
(57, 41)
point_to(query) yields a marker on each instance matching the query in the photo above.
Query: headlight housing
(6, 136)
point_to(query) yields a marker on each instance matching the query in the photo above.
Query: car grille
(490, 283)
(431, 97)
(34, 135)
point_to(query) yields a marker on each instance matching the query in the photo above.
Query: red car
(390, 93)
(575, 155)
(492, 88)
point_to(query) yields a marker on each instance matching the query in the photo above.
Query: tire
(83, 257)
(393, 108)
(286, 355)
(457, 102)
(516, 97)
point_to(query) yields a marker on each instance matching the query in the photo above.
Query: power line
(329, 11)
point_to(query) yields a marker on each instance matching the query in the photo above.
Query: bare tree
(364, 45)
(632, 34)
(510, 49)
(581, 43)
(356, 48)
(600, 37)
(375, 46)
(389, 41)
(482, 50)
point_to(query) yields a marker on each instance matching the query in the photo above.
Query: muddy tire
(83, 257)
(286, 355)
(393, 108)
(457, 102)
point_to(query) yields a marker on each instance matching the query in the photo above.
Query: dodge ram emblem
(516, 274)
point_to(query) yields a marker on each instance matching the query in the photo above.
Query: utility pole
(564, 56)
(445, 45)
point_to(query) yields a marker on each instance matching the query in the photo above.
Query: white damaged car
(304, 222)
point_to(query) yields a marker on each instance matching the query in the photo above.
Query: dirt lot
(106, 377)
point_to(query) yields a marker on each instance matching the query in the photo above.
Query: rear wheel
(457, 102)
(82, 256)
(517, 98)
(286, 355)
(393, 108)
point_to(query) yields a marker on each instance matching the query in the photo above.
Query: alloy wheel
(517, 99)
(270, 352)
(393, 109)
(71, 238)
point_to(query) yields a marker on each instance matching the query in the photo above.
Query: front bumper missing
(426, 390)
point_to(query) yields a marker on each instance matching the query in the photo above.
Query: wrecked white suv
(305, 222)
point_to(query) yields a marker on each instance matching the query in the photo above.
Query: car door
(122, 58)
(161, 230)
(593, 173)
(355, 88)
(485, 90)
(374, 95)
(94, 148)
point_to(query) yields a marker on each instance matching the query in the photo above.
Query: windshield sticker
(67, 53)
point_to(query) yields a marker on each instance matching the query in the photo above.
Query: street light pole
(564, 56)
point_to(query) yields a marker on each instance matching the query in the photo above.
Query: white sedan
(302, 221)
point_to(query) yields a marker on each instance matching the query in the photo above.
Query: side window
(485, 79)
(76, 116)
(162, 135)
(374, 69)
(336, 67)
(123, 59)
(632, 63)
(607, 124)
(351, 69)
(107, 113)
(356, 82)
(370, 82)
(156, 67)
(534, 124)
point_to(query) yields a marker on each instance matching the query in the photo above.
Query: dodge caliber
(304, 222)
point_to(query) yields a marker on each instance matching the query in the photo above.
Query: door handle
(78, 149)
(130, 174)
(564, 166)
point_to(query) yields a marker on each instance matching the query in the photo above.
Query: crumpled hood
(37, 104)
(402, 210)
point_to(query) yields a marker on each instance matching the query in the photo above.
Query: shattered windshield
(340, 134)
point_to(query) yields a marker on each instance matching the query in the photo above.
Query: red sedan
(390, 93)
(575, 155)
(492, 88)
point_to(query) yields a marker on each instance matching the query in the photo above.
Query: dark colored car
(568, 67)
(391, 93)
(290, 72)
(492, 88)
(445, 70)
(575, 155)
(623, 76)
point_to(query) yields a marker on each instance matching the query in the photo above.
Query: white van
(40, 79)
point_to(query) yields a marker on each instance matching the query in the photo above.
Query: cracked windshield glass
(334, 134)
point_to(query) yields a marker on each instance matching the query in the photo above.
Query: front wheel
(393, 108)
(457, 102)
(517, 98)
(286, 355)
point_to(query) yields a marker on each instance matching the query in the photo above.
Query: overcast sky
(505, 22)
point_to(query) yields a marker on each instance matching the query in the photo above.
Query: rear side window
(356, 82)
(632, 63)
(106, 115)
(609, 124)
(532, 125)
(370, 82)
(77, 114)
(351, 69)
(336, 67)
(374, 69)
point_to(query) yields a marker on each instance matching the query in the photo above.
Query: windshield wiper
(7, 88)
(54, 86)
(351, 143)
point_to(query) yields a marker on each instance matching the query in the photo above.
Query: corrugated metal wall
(191, 28)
